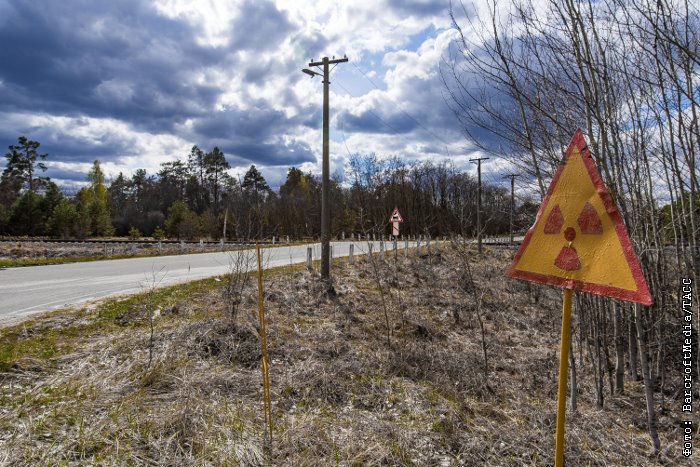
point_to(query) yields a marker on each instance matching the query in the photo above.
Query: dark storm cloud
(117, 59)
(259, 123)
(120, 59)
(124, 61)
(467, 93)
(372, 122)
(260, 26)
(273, 154)
(254, 136)
(257, 72)
(65, 146)
(65, 175)
(419, 7)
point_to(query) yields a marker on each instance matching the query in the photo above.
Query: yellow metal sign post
(563, 372)
(578, 242)
(267, 403)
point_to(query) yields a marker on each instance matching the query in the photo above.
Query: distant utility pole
(512, 201)
(325, 200)
(225, 222)
(478, 201)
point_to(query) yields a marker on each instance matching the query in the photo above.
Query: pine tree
(23, 160)
(215, 167)
(254, 181)
(63, 220)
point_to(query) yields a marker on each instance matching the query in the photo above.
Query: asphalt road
(30, 290)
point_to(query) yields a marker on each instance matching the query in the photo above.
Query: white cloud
(360, 27)
(247, 66)
(213, 19)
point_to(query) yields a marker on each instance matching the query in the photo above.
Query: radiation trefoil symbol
(589, 223)
(595, 254)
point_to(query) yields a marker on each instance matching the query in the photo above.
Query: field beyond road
(420, 360)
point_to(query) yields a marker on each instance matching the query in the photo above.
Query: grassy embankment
(76, 386)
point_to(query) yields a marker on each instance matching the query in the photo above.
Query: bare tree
(240, 264)
(527, 74)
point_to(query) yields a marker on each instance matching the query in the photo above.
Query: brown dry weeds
(340, 394)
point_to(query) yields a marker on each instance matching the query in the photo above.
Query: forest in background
(194, 198)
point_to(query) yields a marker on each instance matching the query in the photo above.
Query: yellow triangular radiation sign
(579, 240)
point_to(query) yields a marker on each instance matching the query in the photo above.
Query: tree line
(32, 205)
(625, 71)
(196, 197)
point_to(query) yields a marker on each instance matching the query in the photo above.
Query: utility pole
(325, 182)
(225, 222)
(512, 201)
(478, 201)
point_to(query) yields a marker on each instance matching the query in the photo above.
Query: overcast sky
(135, 83)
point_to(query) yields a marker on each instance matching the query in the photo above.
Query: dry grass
(340, 394)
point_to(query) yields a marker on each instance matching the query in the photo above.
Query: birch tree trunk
(648, 384)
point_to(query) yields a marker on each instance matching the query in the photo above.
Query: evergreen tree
(52, 196)
(215, 167)
(139, 182)
(173, 181)
(119, 203)
(63, 220)
(26, 215)
(196, 166)
(296, 202)
(23, 160)
(181, 221)
(253, 181)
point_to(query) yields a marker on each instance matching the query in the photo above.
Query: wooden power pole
(325, 197)
(478, 201)
(512, 201)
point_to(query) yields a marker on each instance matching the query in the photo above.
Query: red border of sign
(641, 295)
(396, 210)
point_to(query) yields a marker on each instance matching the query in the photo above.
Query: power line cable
(369, 110)
(447, 151)
(345, 142)
(446, 145)
(399, 106)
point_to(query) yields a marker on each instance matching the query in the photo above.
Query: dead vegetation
(341, 394)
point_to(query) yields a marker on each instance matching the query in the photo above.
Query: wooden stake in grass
(263, 345)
